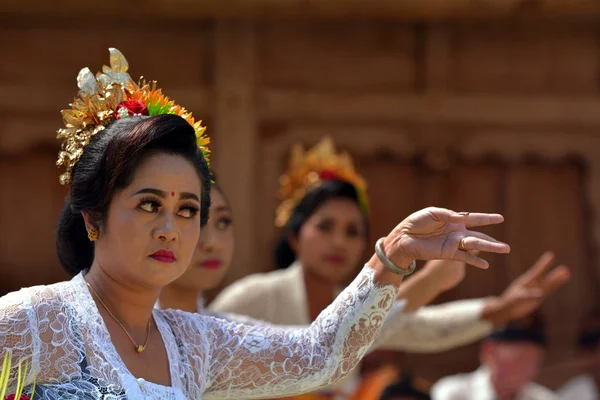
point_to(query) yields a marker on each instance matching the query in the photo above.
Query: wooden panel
(436, 58)
(29, 214)
(342, 55)
(545, 206)
(175, 55)
(276, 9)
(425, 109)
(521, 57)
(235, 149)
(388, 206)
(20, 134)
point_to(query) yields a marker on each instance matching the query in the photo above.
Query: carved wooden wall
(508, 111)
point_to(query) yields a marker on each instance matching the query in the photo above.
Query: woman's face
(332, 240)
(214, 252)
(153, 225)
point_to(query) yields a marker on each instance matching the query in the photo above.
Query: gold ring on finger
(461, 245)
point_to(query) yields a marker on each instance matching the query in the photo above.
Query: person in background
(511, 359)
(405, 389)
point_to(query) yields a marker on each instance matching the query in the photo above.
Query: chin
(162, 275)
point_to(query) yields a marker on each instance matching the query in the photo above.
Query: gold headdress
(108, 96)
(308, 169)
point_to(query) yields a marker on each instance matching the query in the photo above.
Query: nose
(208, 240)
(339, 239)
(166, 231)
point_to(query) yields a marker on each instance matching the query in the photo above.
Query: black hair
(108, 163)
(529, 329)
(404, 388)
(308, 205)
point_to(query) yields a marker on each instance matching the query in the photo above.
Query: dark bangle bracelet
(389, 264)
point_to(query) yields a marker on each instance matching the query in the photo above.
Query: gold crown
(108, 96)
(309, 169)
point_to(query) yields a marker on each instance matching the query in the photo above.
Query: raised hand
(526, 293)
(438, 233)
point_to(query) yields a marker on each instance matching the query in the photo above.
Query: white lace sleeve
(246, 320)
(435, 328)
(264, 361)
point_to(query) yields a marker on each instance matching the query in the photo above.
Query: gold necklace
(138, 347)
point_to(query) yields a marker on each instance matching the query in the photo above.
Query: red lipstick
(165, 256)
(336, 259)
(211, 264)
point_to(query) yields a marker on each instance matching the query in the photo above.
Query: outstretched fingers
(541, 266)
(555, 279)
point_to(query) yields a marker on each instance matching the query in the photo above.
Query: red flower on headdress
(131, 107)
(13, 397)
(328, 175)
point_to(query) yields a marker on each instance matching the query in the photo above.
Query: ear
(89, 224)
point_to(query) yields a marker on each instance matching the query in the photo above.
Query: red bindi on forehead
(172, 194)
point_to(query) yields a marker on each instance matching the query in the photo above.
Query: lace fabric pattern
(59, 330)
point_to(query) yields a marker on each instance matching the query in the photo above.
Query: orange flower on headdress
(108, 96)
(307, 169)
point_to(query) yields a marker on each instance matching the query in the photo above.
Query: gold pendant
(139, 348)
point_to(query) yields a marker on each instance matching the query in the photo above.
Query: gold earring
(93, 234)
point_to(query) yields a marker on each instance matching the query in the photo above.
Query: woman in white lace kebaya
(139, 194)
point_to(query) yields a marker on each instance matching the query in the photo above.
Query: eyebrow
(163, 194)
(222, 208)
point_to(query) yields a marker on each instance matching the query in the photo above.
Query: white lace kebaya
(59, 330)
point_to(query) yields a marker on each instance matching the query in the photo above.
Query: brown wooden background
(479, 114)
